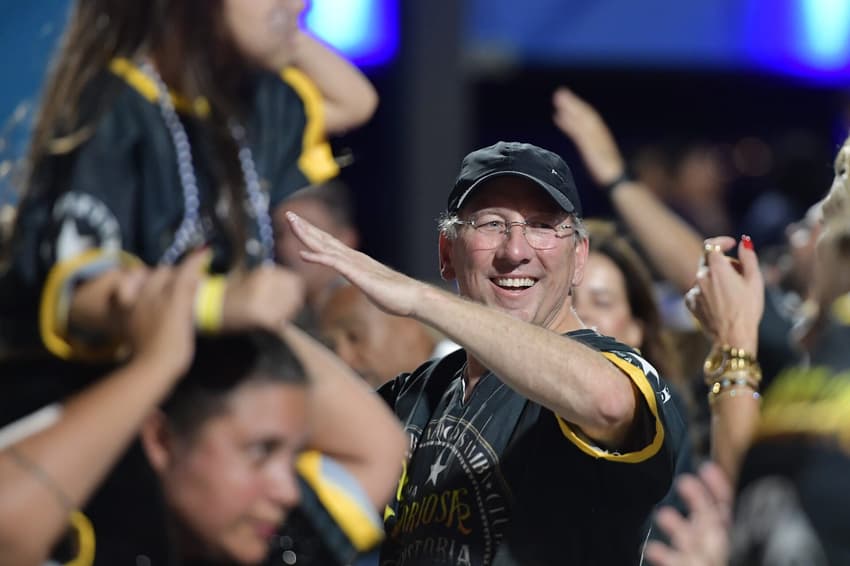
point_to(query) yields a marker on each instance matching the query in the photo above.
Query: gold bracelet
(724, 359)
(209, 304)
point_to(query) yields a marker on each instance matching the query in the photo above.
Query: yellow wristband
(209, 304)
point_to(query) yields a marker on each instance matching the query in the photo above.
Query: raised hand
(728, 303)
(161, 324)
(586, 128)
(701, 539)
(389, 290)
(265, 297)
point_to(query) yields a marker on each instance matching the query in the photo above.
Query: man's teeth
(514, 282)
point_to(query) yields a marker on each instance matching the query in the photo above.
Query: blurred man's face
(373, 343)
(288, 248)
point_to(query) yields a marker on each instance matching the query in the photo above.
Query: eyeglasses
(490, 231)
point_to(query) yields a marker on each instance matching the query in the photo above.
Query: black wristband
(623, 177)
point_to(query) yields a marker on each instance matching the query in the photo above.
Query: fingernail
(747, 241)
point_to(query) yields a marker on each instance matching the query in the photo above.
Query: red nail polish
(747, 241)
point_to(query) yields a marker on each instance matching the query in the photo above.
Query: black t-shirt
(501, 480)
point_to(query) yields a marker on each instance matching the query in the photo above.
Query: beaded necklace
(190, 229)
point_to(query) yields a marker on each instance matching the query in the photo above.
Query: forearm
(673, 247)
(74, 453)
(572, 380)
(350, 99)
(733, 424)
(352, 424)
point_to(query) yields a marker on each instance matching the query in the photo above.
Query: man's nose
(516, 246)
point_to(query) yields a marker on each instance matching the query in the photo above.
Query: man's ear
(447, 270)
(157, 441)
(579, 261)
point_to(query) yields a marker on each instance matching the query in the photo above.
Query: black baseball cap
(539, 165)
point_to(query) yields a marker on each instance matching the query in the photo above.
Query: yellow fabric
(142, 83)
(640, 380)
(346, 512)
(841, 308)
(209, 304)
(316, 160)
(85, 540)
(388, 511)
(808, 401)
(53, 315)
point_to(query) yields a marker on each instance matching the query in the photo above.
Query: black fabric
(684, 460)
(495, 480)
(542, 166)
(775, 351)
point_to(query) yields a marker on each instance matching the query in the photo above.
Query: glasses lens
(541, 238)
(489, 233)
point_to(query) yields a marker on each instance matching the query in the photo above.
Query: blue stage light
(825, 34)
(365, 31)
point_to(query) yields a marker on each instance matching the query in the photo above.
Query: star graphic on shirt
(70, 243)
(436, 469)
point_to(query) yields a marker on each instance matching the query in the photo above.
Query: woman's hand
(728, 303)
(265, 297)
(161, 322)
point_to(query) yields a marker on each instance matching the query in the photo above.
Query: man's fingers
(659, 554)
(674, 526)
(717, 482)
(694, 493)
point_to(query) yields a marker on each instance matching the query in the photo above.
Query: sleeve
(81, 232)
(648, 468)
(337, 508)
(656, 396)
(292, 150)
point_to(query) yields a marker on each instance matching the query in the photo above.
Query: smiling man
(540, 442)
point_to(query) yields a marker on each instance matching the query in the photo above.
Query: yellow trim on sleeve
(85, 540)
(145, 86)
(316, 160)
(345, 511)
(640, 379)
(53, 315)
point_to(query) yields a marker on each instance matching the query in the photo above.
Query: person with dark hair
(53, 460)
(224, 448)
(617, 298)
(540, 441)
(164, 126)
